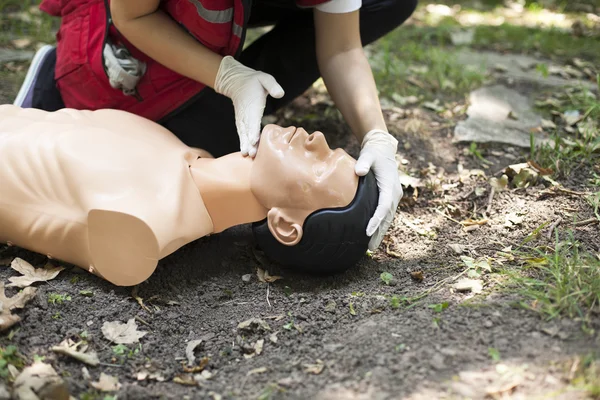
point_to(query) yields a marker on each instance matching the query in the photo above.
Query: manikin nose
(316, 142)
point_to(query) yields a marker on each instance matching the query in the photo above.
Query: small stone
(488, 324)
(247, 278)
(287, 382)
(89, 323)
(437, 362)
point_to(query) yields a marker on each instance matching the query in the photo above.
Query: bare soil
(337, 337)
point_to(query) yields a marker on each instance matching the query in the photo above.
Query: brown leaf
(263, 276)
(197, 368)
(472, 222)
(417, 275)
(107, 383)
(8, 319)
(31, 274)
(185, 379)
(541, 170)
(69, 348)
(40, 381)
(314, 368)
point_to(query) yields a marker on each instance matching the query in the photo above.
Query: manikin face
(295, 174)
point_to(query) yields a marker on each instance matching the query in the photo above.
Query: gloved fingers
(242, 132)
(364, 163)
(384, 207)
(376, 240)
(271, 85)
(253, 114)
(380, 233)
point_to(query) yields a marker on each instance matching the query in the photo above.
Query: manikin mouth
(292, 135)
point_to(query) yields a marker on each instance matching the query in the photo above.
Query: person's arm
(349, 80)
(160, 38)
(346, 71)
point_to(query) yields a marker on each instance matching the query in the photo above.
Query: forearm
(160, 38)
(350, 83)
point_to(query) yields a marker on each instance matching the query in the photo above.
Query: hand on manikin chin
(378, 153)
(248, 89)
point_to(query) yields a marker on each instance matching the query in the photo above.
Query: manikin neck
(224, 184)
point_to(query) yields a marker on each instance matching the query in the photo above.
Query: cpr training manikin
(114, 193)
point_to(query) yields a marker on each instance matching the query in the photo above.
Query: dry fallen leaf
(469, 285)
(7, 318)
(40, 381)
(499, 184)
(185, 379)
(189, 350)
(145, 374)
(458, 248)
(253, 323)
(120, 333)
(258, 347)
(107, 383)
(257, 371)
(314, 368)
(473, 222)
(196, 368)
(263, 276)
(69, 348)
(31, 274)
(417, 275)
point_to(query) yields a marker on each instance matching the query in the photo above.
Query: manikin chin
(114, 193)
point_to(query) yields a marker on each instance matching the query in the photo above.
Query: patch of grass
(10, 355)
(56, 298)
(586, 375)
(571, 151)
(549, 42)
(22, 19)
(562, 282)
(407, 66)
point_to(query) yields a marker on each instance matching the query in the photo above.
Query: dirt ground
(335, 337)
(393, 327)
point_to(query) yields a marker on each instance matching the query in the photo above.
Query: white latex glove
(378, 152)
(248, 89)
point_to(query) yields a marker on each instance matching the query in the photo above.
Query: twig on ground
(110, 365)
(569, 191)
(553, 227)
(392, 252)
(447, 216)
(142, 321)
(490, 199)
(268, 302)
(588, 221)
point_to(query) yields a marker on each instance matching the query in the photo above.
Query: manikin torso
(79, 190)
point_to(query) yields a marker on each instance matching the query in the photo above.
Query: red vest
(217, 24)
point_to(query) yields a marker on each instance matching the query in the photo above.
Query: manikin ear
(285, 229)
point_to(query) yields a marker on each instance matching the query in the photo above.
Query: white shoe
(25, 96)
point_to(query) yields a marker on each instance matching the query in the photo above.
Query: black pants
(287, 52)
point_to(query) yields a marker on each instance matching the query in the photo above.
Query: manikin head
(318, 208)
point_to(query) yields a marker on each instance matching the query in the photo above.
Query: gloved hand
(248, 89)
(378, 152)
